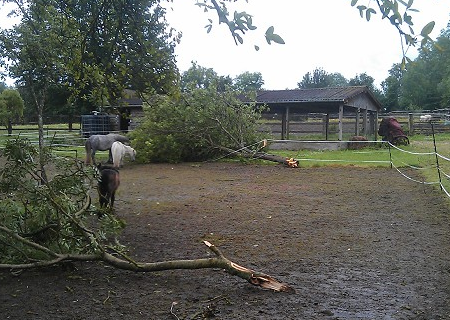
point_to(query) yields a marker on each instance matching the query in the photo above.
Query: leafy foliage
(52, 215)
(199, 125)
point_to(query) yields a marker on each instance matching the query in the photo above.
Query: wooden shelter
(332, 100)
(129, 109)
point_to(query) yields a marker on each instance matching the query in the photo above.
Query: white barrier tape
(409, 178)
(410, 152)
(348, 161)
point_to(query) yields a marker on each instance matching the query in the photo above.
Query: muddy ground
(355, 244)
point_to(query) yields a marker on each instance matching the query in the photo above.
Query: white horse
(118, 151)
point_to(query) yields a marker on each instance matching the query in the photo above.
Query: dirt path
(355, 244)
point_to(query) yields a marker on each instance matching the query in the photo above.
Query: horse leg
(103, 198)
(110, 159)
(113, 197)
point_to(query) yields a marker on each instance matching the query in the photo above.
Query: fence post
(411, 124)
(436, 154)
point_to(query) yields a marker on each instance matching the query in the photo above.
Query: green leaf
(408, 19)
(369, 12)
(354, 3)
(277, 39)
(239, 38)
(427, 29)
(385, 11)
(437, 46)
(361, 10)
(403, 64)
(409, 39)
(256, 48)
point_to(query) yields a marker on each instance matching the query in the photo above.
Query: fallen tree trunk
(125, 263)
(249, 154)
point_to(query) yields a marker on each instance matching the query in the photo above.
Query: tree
(391, 88)
(201, 124)
(424, 81)
(318, 79)
(34, 50)
(337, 80)
(248, 81)
(321, 79)
(198, 77)
(363, 79)
(3, 86)
(11, 108)
(118, 45)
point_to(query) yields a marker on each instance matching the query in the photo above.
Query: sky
(327, 34)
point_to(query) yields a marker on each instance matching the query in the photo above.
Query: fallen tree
(258, 153)
(51, 223)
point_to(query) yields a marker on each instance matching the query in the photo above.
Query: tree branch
(220, 261)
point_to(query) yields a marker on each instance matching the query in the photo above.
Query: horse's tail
(88, 148)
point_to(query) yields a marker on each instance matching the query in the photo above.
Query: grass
(416, 161)
(411, 157)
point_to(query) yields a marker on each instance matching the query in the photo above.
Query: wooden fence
(315, 124)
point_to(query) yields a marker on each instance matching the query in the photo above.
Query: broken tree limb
(246, 153)
(220, 261)
(255, 278)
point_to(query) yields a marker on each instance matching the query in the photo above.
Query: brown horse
(107, 185)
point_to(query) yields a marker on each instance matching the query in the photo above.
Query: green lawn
(416, 161)
(418, 158)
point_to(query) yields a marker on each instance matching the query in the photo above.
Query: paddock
(355, 243)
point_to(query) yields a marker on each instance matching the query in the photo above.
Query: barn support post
(365, 122)
(326, 125)
(372, 123)
(285, 124)
(376, 126)
(341, 117)
(358, 114)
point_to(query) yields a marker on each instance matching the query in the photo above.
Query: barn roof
(320, 99)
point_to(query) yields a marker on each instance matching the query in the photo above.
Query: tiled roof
(330, 94)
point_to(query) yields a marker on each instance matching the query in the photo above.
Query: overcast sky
(327, 34)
